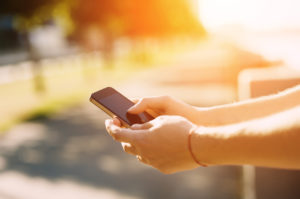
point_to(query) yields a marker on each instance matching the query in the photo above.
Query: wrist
(211, 146)
(200, 143)
(190, 148)
(223, 145)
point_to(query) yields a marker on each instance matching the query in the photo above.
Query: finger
(141, 159)
(111, 127)
(141, 126)
(129, 148)
(108, 123)
(140, 106)
(116, 121)
(152, 113)
(124, 134)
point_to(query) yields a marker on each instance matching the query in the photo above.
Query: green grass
(44, 110)
(19, 101)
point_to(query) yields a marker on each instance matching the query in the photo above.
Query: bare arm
(273, 141)
(260, 132)
(249, 109)
(224, 114)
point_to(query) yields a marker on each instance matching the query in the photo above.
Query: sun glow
(250, 14)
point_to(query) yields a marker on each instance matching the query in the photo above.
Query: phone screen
(118, 105)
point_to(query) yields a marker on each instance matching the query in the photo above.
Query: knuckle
(125, 148)
(143, 100)
(128, 148)
(143, 160)
(163, 168)
(166, 99)
(164, 171)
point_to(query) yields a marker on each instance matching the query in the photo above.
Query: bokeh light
(55, 53)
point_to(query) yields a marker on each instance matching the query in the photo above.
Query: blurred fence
(63, 78)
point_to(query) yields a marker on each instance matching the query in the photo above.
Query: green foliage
(29, 14)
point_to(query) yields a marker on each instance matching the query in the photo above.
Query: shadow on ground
(73, 145)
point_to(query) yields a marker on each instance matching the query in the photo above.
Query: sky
(251, 14)
(280, 19)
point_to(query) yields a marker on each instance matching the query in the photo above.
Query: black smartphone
(115, 104)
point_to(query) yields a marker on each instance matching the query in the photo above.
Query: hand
(164, 105)
(161, 143)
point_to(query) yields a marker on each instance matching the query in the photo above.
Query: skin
(260, 132)
(160, 143)
(272, 141)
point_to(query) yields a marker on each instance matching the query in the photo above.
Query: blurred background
(55, 53)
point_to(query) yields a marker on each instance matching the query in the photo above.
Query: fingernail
(130, 109)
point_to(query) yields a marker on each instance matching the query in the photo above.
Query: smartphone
(115, 104)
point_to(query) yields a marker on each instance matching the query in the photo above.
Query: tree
(108, 20)
(28, 15)
(97, 23)
(161, 19)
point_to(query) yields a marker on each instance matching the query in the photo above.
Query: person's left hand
(161, 143)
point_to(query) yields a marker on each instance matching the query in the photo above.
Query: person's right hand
(162, 142)
(163, 105)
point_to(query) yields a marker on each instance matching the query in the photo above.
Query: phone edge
(107, 111)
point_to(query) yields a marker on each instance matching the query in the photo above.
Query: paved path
(69, 155)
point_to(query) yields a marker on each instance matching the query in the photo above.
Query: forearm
(273, 141)
(249, 109)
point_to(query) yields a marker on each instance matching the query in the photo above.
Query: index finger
(152, 105)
